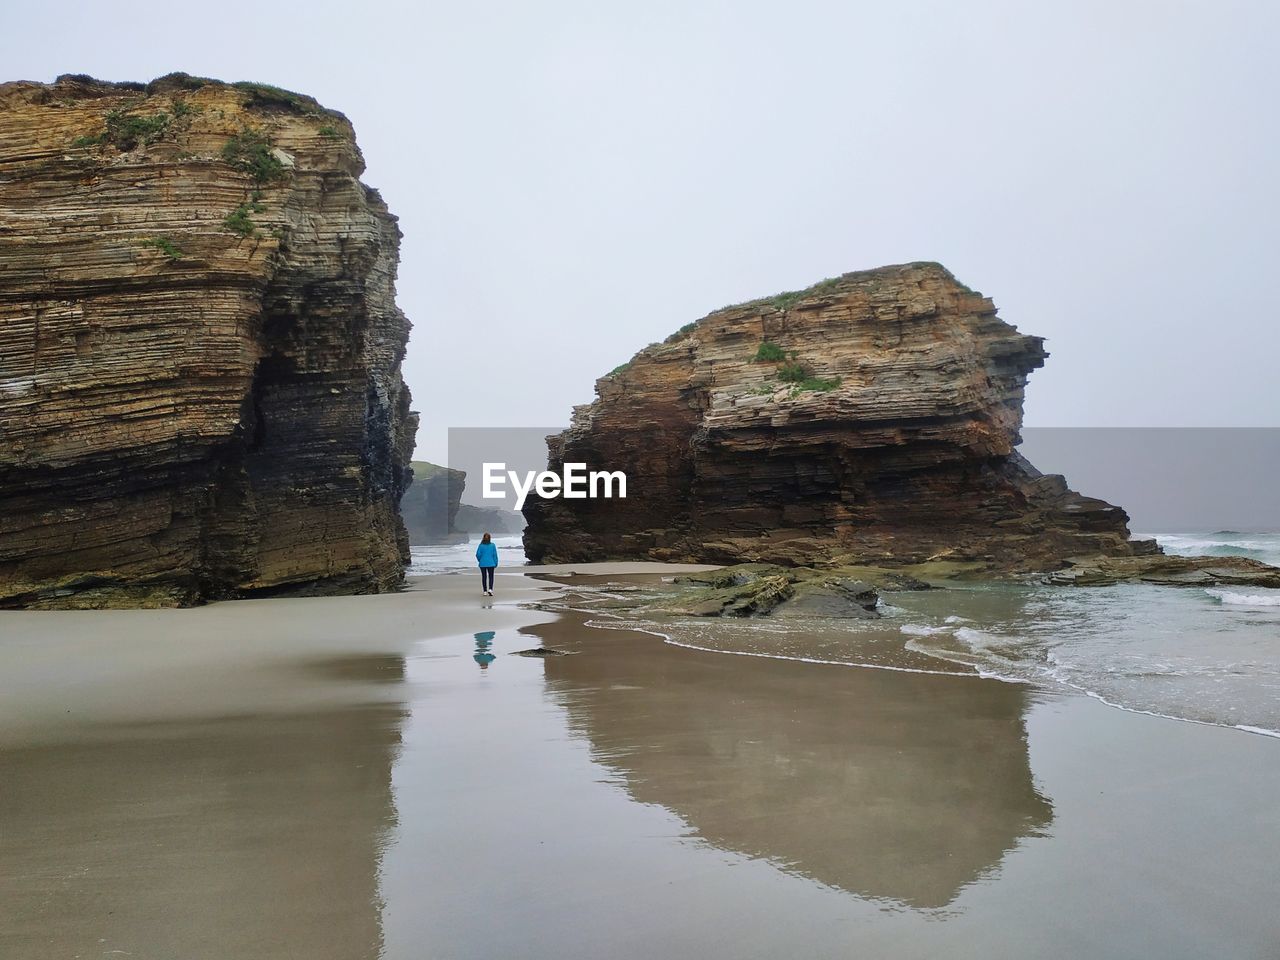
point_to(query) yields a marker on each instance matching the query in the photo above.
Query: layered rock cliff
(430, 505)
(434, 514)
(871, 418)
(200, 391)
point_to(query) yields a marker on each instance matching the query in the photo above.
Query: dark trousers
(486, 577)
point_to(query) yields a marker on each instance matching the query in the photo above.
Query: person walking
(487, 557)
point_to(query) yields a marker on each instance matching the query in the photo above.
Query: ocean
(1207, 656)
(457, 557)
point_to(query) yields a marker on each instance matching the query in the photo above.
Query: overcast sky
(577, 179)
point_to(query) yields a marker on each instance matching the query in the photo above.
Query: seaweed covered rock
(759, 589)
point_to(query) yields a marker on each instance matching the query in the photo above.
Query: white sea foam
(921, 630)
(1221, 543)
(830, 663)
(1145, 649)
(1260, 730)
(1245, 599)
(974, 638)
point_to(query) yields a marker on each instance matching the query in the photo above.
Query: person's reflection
(482, 655)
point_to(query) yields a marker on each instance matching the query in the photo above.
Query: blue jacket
(487, 554)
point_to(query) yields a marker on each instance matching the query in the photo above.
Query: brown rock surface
(200, 390)
(881, 431)
(1167, 571)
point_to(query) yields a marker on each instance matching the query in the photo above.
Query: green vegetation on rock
(179, 79)
(239, 221)
(819, 384)
(164, 245)
(183, 109)
(127, 131)
(789, 298)
(683, 331)
(793, 371)
(769, 353)
(785, 301)
(251, 151)
(266, 95)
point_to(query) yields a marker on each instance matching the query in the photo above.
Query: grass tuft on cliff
(769, 352)
(239, 221)
(793, 371)
(184, 81)
(127, 131)
(687, 329)
(268, 96)
(818, 384)
(787, 300)
(251, 151)
(164, 245)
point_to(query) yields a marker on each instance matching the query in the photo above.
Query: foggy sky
(577, 179)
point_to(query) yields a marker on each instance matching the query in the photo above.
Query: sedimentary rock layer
(200, 391)
(872, 418)
(430, 505)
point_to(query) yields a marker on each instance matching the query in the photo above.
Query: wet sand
(382, 777)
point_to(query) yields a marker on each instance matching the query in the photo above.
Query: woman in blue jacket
(487, 557)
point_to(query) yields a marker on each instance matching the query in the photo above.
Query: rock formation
(430, 505)
(871, 418)
(200, 391)
(495, 520)
(434, 514)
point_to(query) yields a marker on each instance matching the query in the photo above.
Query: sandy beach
(383, 777)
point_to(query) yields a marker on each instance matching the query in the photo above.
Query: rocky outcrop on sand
(431, 503)
(434, 514)
(750, 589)
(870, 419)
(477, 521)
(200, 390)
(1167, 571)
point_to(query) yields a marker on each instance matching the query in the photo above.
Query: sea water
(457, 557)
(1188, 653)
(1221, 543)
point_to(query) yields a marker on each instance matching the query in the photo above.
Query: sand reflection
(255, 836)
(887, 785)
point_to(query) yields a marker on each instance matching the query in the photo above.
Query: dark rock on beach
(1167, 571)
(759, 589)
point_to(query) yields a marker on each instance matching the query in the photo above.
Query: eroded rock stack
(872, 418)
(200, 391)
(430, 505)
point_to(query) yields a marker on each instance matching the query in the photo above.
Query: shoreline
(355, 787)
(218, 634)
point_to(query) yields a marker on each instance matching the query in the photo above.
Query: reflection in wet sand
(254, 836)
(888, 785)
